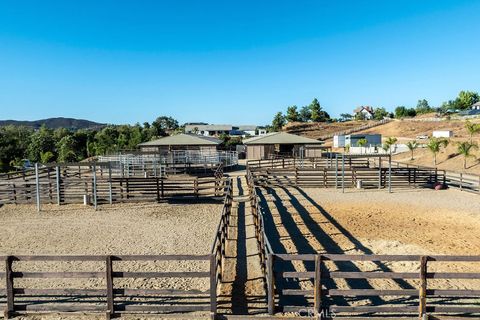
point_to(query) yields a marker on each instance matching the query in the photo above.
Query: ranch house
(281, 144)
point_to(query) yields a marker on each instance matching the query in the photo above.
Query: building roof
(366, 108)
(280, 138)
(247, 128)
(476, 104)
(210, 127)
(183, 139)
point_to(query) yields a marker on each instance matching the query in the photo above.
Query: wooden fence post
(336, 171)
(37, 187)
(57, 178)
(461, 181)
(380, 173)
(271, 285)
(95, 185)
(109, 280)
(343, 173)
(158, 189)
(213, 285)
(318, 285)
(422, 294)
(110, 191)
(163, 189)
(390, 174)
(10, 309)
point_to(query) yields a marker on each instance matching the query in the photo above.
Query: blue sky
(230, 61)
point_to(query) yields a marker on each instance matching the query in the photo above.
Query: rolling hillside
(404, 131)
(54, 123)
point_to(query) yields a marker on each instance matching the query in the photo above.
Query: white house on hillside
(366, 112)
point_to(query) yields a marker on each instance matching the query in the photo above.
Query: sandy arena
(120, 229)
(408, 222)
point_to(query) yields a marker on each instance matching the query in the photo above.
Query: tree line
(315, 113)
(63, 145)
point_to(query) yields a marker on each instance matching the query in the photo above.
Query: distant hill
(55, 123)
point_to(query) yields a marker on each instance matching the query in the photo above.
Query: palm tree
(362, 143)
(390, 142)
(472, 128)
(412, 145)
(465, 148)
(434, 145)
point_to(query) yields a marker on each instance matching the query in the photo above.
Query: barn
(281, 144)
(181, 142)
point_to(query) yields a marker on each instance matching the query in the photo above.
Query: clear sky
(231, 61)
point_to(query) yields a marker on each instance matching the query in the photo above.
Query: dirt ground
(407, 222)
(120, 229)
(412, 221)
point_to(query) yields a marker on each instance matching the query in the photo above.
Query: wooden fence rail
(463, 181)
(340, 285)
(327, 272)
(107, 297)
(109, 190)
(101, 289)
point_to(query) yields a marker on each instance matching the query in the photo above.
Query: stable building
(281, 144)
(181, 142)
(351, 140)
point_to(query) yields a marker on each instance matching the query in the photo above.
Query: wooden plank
(318, 285)
(213, 286)
(9, 287)
(151, 275)
(270, 284)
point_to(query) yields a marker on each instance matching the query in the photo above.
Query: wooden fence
(72, 184)
(330, 277)
(331, 286)
(346, 178)
(32, 297)
(464, 181)
(114, 284)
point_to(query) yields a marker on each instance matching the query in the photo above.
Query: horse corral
(335, 236)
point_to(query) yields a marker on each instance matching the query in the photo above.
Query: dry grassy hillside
(404, 131)
(408, 130)
(317, 130)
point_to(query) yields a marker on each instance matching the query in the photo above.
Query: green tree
(305, 114)
(278, 122)
(403, 112)
(66, 149)
(472, 129)
(317, 113)
(346, 116)
(380, 113)
(292, 114)
(465, 148)
(362, 143)
(391, 141)
(435, 145)
(412, 145)
(164, 124)
(466, 99)
(46, 157)
(41, 141)
(14, 142)
(423, 107)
